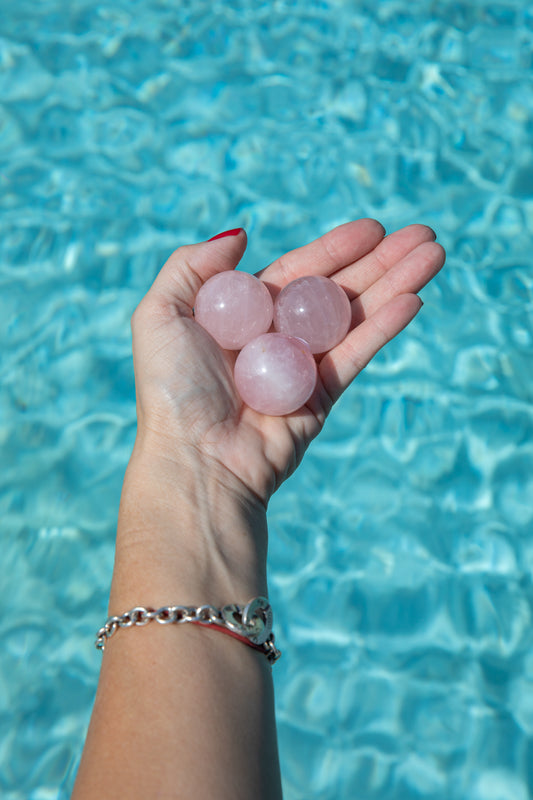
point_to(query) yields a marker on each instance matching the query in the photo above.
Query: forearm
(183, 711)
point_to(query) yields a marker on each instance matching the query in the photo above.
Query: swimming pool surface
(402, 550)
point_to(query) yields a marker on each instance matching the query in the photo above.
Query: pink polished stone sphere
(275, 374)
(315, 309)
(234, 307)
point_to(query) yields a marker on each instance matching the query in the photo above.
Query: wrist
(186, 535)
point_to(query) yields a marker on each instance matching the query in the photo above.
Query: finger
(190, 266)
(408, 276)
(357, 278)
(340, 366)
(331, 252)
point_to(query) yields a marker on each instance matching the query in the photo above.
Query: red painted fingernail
(233, 232)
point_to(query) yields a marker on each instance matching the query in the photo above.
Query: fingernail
(233, 232)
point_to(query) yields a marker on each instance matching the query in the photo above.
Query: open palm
(186, 396)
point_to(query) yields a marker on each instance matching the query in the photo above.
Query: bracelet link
(258, 618)
(140, 615)
(208, 615)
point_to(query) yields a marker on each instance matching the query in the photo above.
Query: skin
(184, 712)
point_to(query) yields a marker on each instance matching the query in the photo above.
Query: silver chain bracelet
(251, 623)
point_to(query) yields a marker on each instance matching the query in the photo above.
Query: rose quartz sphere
(234, 307)
(275, 374)
(316, 309)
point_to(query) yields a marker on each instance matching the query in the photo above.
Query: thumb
(190, 266)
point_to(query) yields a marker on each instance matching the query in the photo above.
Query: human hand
(192, 526)
(188, 407)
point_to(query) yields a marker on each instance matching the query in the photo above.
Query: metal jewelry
(251, 623)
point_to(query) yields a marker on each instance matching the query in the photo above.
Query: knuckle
(137, 314)
(144, 309)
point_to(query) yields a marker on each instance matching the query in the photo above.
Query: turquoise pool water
(402, 551)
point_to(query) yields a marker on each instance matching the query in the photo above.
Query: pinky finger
(340, 366)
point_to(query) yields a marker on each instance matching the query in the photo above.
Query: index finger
(335, 250)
